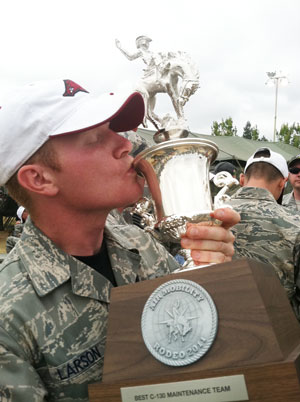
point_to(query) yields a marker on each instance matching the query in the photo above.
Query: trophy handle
(224, 180)
(144, 208)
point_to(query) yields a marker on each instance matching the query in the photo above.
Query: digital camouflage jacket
(267, 232)
(54, 309)
(289, 201)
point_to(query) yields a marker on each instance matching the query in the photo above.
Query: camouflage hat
(292, 161)
(225, 166)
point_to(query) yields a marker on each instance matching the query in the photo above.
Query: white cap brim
(123, 113)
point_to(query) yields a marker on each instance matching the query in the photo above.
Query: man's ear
(283, 182)
(242, 179)
(38, 179)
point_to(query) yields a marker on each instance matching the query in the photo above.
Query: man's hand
(212, 243)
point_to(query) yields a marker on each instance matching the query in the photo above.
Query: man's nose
(124, 146)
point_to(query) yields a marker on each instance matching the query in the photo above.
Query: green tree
(290, 134)
(215, 129)
(255, 133)
(247, 133)
(296, 141)
(225, 128)
(251, 133)
(285, 134)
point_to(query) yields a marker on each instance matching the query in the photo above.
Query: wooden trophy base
(258, 336)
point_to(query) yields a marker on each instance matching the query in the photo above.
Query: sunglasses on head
(294, 170)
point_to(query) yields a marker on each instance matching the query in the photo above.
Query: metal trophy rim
(177, 142)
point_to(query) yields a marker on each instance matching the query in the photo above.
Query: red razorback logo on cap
(72, 88)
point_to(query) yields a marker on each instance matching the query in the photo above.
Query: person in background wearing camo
(267, 231)
(55, 284)
(292, 200)
(14, 237)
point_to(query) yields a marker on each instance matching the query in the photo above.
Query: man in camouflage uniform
(71, 171)
(292, 200)
(267, 231)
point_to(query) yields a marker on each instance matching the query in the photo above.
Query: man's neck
(296, 194)
(75, 235)
(271, 187)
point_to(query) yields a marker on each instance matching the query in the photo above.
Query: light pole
(276, 78)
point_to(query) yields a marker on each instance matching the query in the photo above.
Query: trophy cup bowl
(177, 173)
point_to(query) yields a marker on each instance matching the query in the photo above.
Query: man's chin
(136, 199)
(141, 181)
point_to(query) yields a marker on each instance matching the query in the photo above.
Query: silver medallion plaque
(179, 322)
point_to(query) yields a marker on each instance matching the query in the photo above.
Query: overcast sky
(233, 42)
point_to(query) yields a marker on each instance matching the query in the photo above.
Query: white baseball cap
(273, 158)
(34, 113)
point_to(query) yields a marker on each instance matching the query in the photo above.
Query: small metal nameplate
(218, 389)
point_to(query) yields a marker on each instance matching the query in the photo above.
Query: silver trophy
(177, 168)
(177, 173)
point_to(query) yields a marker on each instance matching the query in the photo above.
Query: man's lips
(131, 170)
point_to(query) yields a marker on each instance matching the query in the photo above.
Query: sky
(234, 43)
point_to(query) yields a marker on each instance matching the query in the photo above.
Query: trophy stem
(189, 263)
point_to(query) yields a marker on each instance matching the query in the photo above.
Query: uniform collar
(255, 193)
(290, 198)
(48, 267)
(125, 260)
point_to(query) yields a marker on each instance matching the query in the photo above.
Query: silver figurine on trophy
(177, 168)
